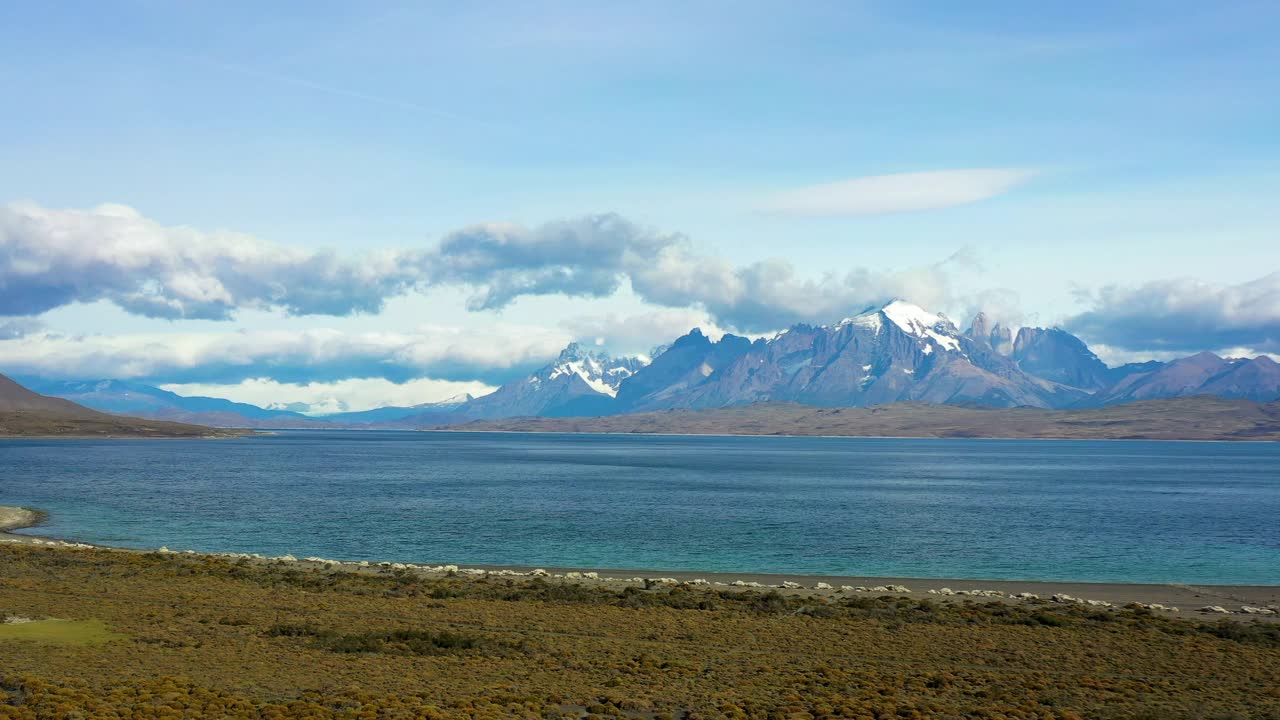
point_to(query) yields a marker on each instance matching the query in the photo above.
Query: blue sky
(1111, 167)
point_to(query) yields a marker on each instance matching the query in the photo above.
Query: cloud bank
(491, 356)
(639, 334)
(901, 192)
(1184, 315)
(14, 328)
(315, 398)
(50, 258)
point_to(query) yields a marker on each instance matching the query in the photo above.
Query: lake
(996, 509)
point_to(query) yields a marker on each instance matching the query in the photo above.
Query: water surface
(998, 509)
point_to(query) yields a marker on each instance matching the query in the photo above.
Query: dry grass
(208, 638)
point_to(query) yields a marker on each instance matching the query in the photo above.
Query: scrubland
(201, 637)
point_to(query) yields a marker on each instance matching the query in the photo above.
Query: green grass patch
(60, 632)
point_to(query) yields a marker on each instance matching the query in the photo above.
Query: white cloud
(1183, 315)
(768, 295)
(901, 192)
(18, 327)
(319, 355)
(319, 398)
(640, 333)
(52, 258)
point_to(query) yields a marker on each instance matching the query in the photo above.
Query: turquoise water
(1032, 510)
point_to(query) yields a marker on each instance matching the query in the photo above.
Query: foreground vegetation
(195, 637)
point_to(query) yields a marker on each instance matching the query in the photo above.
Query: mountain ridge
(892, 353)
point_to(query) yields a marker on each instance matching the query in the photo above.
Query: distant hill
(1194, 418)
(124, 397)
(1257, 379)
(24, 413)
(391, 417)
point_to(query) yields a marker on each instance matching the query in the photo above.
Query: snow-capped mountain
(579, 382)
(600, 372)
(393, 413)
(891, 353)
(885, 354)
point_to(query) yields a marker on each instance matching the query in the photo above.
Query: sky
(357, 204)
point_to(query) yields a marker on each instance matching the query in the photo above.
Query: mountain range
(123, 397)
(894, 353)
(24, 413)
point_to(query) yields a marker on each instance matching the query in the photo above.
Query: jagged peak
(981, 328)
(575, 352)
(693, 337)
(600, 371)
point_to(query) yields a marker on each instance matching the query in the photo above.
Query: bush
(401, 642)
(288, 630)
(1048, 619)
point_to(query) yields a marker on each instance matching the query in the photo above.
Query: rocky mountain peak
(981, 328)
(907, 318)
(692, 338)
(601, 372)
(992, 334)
(574, 352)
(1202, 359)
(1001, 339)
(1057, 355)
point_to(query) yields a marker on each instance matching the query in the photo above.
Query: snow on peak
(448, 402)
(911, 319)
(870, 319)
(915, 320)
(600, 372)
(590, 372)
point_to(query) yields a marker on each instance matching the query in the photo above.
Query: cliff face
(1059, 356)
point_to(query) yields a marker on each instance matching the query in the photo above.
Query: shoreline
(1204, 601)
(214, 434)
(615, 433)
(19, 518)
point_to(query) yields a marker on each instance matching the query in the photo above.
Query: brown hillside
(1193, 418)
(24, 413)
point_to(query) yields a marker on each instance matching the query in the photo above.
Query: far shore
(1185, 600)
(464, 429)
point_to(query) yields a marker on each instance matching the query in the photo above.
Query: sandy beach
(1175, 599)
